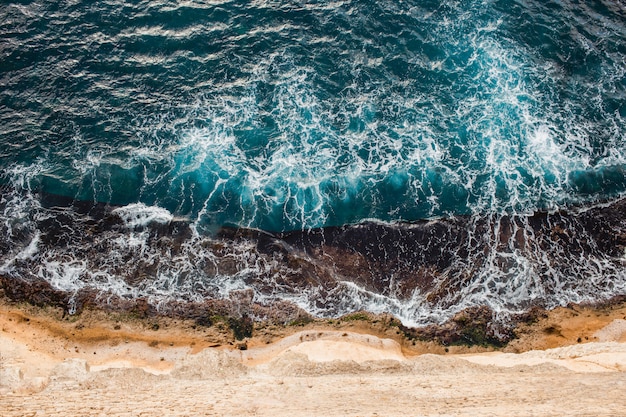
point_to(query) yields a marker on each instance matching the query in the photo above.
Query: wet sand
(571, 362)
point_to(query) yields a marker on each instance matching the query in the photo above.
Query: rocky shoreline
(428, 257)
(119, 363)
(472, 329)
(76, 255)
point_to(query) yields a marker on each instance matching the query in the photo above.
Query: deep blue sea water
(295, 115)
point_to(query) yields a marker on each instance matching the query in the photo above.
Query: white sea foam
(29, 251)
(513, 159)
(139, 215)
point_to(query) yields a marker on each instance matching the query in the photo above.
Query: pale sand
(314, 372)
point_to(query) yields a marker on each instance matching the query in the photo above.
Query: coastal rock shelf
(424, 273)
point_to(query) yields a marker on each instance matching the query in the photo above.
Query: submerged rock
(454, 270)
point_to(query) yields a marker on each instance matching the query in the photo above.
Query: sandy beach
(571, 362)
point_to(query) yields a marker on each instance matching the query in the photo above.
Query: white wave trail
(139, 215)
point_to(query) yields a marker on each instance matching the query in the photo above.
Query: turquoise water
(290, 116)
(296, 115)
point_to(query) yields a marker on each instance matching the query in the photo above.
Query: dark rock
(204, 320)
(36, 292)
(242, 327)
(533, 315)
(472, 326)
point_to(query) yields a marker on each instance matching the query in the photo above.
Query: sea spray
(139, 215)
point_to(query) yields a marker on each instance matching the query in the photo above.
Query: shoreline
(538, 329)
(115, 362)
(340, 269)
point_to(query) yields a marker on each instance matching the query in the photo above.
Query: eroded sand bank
(100, 366)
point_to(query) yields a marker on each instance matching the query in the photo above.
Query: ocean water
(186, 120)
